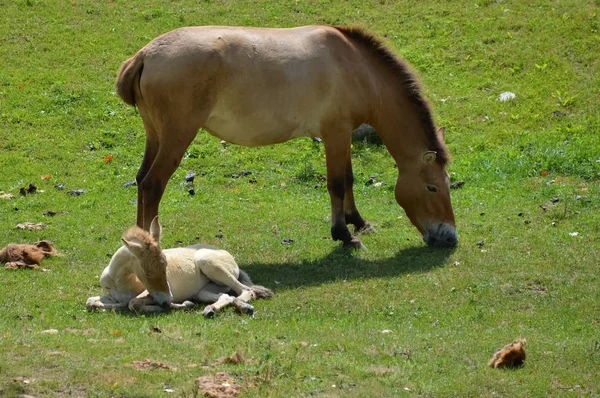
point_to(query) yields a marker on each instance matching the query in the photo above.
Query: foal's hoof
(208, 312)
(354, 244)
(261, 292)
(188, 304)
(244, 307)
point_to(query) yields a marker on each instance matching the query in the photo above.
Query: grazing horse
(259, 86)
(143, 278)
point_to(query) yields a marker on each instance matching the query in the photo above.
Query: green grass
(321, 335)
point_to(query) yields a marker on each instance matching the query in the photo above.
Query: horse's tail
(260, 292)
(128, 79)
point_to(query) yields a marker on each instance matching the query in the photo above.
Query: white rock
(507, 96)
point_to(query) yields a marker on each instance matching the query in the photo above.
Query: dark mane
(402, 71)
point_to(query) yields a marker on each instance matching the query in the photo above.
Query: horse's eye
(431, 188)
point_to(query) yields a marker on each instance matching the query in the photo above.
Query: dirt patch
(221, 385)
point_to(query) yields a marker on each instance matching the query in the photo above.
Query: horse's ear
(429, 157)
(441, 133)
(155, 230)
(134, 247)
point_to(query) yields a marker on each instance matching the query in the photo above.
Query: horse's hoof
(366, 229)
(208, 312)
(354, 244)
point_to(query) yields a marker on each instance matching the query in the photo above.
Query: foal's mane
(407, 79)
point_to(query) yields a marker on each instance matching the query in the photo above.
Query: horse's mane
(407, 78)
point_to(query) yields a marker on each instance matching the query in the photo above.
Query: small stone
(189, 177)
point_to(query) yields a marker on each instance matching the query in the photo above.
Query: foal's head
(153, 263)
(423, 191)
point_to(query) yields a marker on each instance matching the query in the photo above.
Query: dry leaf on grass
(221, 385)
(6, 196)
(510, 356)
(17, 256)
(149, 364)
(236, 358)
(31, 226)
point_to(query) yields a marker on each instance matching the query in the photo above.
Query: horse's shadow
(342, 265)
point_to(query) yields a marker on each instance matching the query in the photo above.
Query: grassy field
(397, 320)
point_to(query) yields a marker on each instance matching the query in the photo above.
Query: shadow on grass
(340, 265)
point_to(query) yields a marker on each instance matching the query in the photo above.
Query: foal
(143, 278)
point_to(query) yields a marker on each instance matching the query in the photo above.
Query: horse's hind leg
(149, 156)
(171, 149)
(337, 153)
(352, 216)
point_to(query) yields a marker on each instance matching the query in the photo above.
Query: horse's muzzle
(440, 235)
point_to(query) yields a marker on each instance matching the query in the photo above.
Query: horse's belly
(259, 129)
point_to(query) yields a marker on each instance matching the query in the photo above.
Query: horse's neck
(396, 118)
(401, 131)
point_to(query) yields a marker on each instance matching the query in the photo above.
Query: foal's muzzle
(440, 235)
(162, 299)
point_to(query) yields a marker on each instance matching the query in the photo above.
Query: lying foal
(143, 278)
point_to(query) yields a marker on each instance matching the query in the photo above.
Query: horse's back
(250, 86)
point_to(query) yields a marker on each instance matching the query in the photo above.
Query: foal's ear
(134, 247)
(429, 157)
(441, 133)
(155, 229)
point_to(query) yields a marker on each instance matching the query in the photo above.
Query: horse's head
(153, 262)
(423, 191)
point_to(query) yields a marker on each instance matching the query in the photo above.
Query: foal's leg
(337, 151)
(352, 216)
(219, 266)
(217, 298)
(105, 302)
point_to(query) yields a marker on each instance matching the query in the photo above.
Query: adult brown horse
(257, 86)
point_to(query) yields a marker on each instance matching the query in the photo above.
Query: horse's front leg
(337, 153)
(352, 216)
